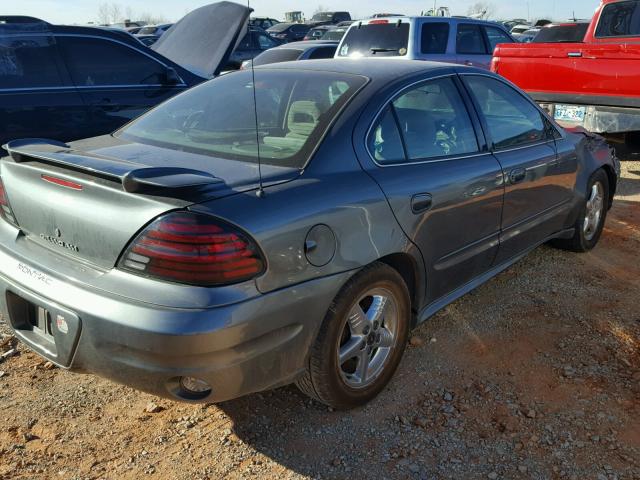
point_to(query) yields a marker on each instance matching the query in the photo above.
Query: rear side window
(99, 62)
(28, 62)
(511, 119)
(385, 143)
(277, 55)
(470, 40)
(562, 33)
(619, 19)
(433, 122)
(380, 40)
(496, 36)
(435, 37)
(323, 52)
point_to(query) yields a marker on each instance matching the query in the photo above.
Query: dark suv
(329, 18)
(68, 82)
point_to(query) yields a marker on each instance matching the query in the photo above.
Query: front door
(117, 82)
(444, 187)
(538, 187)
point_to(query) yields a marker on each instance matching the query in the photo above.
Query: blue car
(287, 224)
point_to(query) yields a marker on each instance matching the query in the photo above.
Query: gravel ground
(535, 375)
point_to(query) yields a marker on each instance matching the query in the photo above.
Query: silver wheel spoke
(350, 349)
(386, 338)
(362, 371)
(358, 320)
(377, 309)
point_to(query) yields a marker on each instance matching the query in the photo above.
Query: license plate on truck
(570, 113)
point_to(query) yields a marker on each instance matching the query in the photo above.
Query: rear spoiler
(134, 177)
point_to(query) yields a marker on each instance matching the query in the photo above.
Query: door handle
(574, 54)
(421, 202)
(517, 175)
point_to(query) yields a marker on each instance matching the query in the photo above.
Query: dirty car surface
(216, 246)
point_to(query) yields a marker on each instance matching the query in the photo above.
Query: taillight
(194, 249)
(5, 209)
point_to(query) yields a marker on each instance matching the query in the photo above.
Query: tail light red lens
(5, 209)
(193, 249)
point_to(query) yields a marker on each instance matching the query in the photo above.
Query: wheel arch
(407, 267)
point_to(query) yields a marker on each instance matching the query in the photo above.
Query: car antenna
(260, 192)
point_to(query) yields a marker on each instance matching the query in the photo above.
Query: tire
(368, 323)
(590, 222)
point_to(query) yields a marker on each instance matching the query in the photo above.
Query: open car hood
(203, 40)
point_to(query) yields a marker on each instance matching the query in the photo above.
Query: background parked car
(453, 40)
(317, 33)
(71, 82)
(289, 32)
(329, 18)
(149, 34)
(305, 50)
(527, 36)
(263, 22)
(252, 44)
(520, 28)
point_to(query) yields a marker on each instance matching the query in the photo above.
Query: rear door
(37, 98)
(538, 186)
(471, 47)
(444, 187)
(117, 82)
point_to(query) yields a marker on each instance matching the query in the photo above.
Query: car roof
(409, 19)
(379, 69)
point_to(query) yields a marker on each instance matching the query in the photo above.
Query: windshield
(380, 40)
(147, 30)
(322, 17)
(279, 27)
(217, 118)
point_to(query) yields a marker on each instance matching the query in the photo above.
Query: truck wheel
(361, 340)
(590, 222)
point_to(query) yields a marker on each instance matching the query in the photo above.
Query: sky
(84, 11)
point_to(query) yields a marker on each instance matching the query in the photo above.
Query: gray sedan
(287, 225)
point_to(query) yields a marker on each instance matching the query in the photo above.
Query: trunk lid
(203, 40)
(88, 199)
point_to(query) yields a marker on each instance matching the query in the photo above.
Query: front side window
(376, 40)
(496, 36)
(28, 62)
(469, 40)
(435, 37)
(432, 122)
(620, 19)
(217, 118)
(100, 62)
(511, 119)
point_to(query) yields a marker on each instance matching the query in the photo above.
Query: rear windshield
(280, 27)
(383, 40)
(294, 110)
(147, 30)
(277, 55)
(562, 33)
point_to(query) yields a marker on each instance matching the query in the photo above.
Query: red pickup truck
(594, 83)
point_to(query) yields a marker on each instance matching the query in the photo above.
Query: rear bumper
(249, 346)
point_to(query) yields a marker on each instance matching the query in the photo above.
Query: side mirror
(171, 77)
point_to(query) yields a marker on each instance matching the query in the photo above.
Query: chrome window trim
(378, 115)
